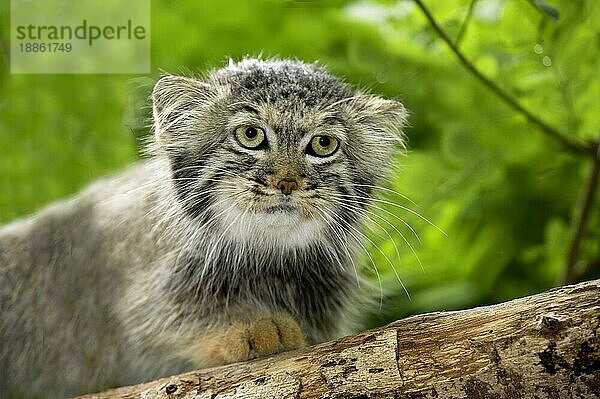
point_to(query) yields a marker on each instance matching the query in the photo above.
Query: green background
(504, 193)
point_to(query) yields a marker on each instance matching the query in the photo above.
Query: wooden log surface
(542, 346)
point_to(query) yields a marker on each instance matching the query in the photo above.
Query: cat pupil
(324, 141)
(251, 132)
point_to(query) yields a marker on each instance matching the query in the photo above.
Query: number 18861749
(35, 47)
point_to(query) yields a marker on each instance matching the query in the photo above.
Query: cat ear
(386, 118)
(175, 101)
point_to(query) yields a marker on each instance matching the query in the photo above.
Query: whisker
(379, 208)
(351, 199)
(374, 268)
(397, 206)
(386, 258)
(397, 231)
(386, 190)
(340, 239)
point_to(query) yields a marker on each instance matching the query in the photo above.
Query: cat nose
(287, 186)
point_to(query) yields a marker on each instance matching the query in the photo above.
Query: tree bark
(542, 346)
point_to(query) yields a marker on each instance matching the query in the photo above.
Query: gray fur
(115, 286)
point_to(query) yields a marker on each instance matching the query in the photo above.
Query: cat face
(274, 149)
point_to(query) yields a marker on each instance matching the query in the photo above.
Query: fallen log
(542, 346)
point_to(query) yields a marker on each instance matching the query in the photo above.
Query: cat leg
(239, 341)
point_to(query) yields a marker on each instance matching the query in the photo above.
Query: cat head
(274, 149)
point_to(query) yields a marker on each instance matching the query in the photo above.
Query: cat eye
(250, 137)
(322, 146)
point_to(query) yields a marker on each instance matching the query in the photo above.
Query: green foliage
(503, 192)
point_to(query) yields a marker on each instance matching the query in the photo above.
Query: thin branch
(547, 12)
(591, 187)
(565, 140)
(463, 26)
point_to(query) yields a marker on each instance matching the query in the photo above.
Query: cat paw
(268, 335)
(264, 335)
